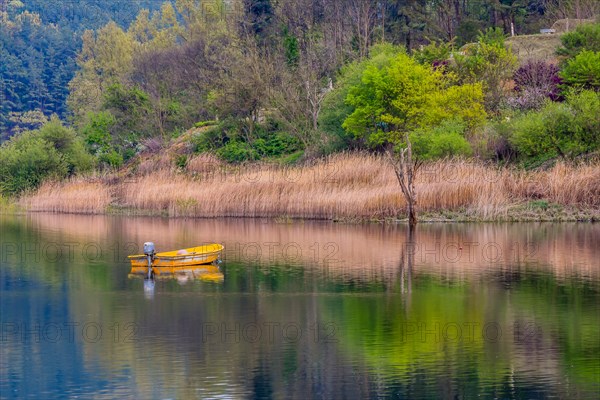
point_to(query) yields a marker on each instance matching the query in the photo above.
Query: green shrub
(202, 124)
(99, 140)
(68, 144)
(434, 53)
(111, 158)
(25, 161)
(232, 141)
(292, 158)
(586, 121)
(584, 37)
(529, 134)
(181, 161)
(583, 71)
(492, 36)
(236, 152)
(488, 62)
(566, 129)
(53, 151)
(493, 142)
(215, 137)
(275, 144)
(543, 204)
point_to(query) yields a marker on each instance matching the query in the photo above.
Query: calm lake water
(303, 310)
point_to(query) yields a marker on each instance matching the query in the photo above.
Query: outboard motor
(149, 249)
(149, 252)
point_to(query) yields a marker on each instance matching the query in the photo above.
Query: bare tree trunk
(580, 9)
(363, 14)
(315, 95)
(408, 32)
(158, 117)
(406, 169)
(457, 11)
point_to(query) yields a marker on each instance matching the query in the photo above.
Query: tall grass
(74, 196)
(343, 186)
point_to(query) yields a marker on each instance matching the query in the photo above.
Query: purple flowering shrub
(535, 82)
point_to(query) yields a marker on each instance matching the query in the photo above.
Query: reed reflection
(455, 251)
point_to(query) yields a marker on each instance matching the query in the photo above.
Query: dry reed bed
(73, 196)
(355, 186)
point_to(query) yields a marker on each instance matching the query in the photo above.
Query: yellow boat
(171, 262)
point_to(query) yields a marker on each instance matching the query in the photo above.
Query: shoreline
(525, 215)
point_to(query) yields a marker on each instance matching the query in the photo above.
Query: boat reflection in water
(183, 275)
(206, 273)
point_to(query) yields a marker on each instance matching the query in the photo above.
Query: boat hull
(183, 258)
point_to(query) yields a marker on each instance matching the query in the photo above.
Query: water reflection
(149, 288)
(457, 251)
(205, 272)
(183, 276)
(304, 310)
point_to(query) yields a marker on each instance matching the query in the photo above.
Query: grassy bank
(342, 187)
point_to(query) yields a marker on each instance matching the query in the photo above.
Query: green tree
(131, 108)
(157, 31)
(105, 59)
(36, 67)
(396, 96)
(392, 100)
(97, 132)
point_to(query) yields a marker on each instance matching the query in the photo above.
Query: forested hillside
(39, 42)
(40, 39)
(287, 80)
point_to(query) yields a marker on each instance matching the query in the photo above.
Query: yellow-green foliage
(401, 95)
(457, 102)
